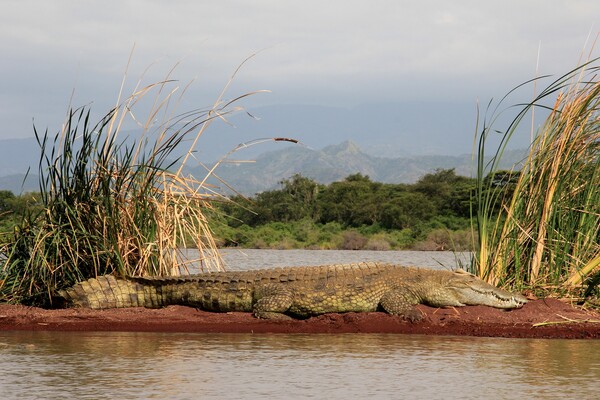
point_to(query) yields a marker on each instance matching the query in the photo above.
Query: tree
(351, 202)
(406, 210)
(302, 194)
(450, 193)
(6, 197)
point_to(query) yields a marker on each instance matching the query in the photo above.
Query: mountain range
(394, 143)
(334, 163)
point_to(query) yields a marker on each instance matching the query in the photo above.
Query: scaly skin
(279, 293)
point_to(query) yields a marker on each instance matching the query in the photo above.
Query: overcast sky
(341, 53)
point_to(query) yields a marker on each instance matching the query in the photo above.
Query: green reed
(541, 227)
(112, 204)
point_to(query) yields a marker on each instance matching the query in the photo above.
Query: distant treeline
(433, 213)
(356, 213)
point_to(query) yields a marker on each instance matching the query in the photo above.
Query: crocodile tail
(110, 292)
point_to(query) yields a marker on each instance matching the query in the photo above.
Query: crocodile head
(465, 289)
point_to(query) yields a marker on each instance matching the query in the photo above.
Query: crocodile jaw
(494, 297)
(469, 290)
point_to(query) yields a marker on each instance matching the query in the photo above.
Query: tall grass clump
(540, 227)
(112, 204)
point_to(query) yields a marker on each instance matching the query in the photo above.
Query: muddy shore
(547, 318)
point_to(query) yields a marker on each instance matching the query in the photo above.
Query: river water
(125, 365)
(252, 259)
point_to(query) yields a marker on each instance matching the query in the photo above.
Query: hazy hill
(334, 163)
(382, 130)
(325, 162)
(331, 163)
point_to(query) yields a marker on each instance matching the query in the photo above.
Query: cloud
(322, 52)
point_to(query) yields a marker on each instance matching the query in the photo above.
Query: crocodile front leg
(273, 301)
(402, 302)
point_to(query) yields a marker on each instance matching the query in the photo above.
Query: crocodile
(297, 292)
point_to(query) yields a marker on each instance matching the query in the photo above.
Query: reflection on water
(227, 366)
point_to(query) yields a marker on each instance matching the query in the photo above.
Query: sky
(330, 53)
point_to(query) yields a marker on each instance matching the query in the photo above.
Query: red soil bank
(558, 319)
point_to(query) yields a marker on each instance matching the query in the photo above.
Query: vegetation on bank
(353, 214)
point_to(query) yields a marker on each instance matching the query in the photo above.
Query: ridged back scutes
(274, 275)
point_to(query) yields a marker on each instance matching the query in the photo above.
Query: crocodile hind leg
(401, 302)
(274, 301)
